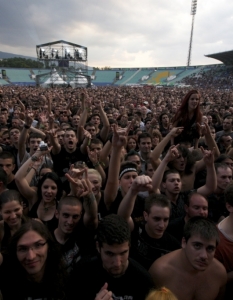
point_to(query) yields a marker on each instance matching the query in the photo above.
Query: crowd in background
(125, 174)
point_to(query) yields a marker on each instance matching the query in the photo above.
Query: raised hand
(93, 156)
(175, 131)
(172, 153)
(141, 184)
(208, 156)
(104, 294)
(119, 138)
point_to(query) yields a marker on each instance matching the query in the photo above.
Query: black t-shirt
(137, 214)
(145, 250)
(178, 210)
(176, 228)
(216, 207)
(14, 284)
(80, 244)
(89, 277)
(62, 162)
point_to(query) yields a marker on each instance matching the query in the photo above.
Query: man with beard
(111, 275)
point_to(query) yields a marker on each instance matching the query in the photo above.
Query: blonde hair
(161, 294)
(94, 172)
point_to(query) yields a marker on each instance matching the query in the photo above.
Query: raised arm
(105, 129)
(140, 184)
(21, 181)
(93, 156)
(172, 153)
(83, 188)
(211, 178)
(110, 192)
(83, 116)
(23, 137)
(155, 155)
(200, 165)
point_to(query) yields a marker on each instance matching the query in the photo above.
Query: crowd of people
(217, 77)
(116, 193)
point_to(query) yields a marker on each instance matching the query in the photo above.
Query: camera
(43, 146)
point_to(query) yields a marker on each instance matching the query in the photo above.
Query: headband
(127, 170)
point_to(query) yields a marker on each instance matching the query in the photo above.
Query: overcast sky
(123, 33)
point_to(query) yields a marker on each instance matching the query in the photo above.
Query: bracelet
(26, 126)
(34, 169)
(96, 165)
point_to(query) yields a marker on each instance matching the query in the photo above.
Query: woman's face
(32, 252)
(95, 182)
(193, 102)
(12, 212)
(132, 144)
(48, 190)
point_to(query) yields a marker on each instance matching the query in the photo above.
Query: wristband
(96, 165)
(26, 126)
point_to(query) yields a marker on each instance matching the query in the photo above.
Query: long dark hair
(53, 176)
(182, 113)
(54, 275)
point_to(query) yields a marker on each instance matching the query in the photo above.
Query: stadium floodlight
(193, 13)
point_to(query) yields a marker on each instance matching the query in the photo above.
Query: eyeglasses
(35, 247)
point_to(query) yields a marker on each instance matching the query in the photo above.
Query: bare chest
(185, 288)
(187, 182)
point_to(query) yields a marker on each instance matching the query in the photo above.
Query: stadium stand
(18, 76)
(219, 74)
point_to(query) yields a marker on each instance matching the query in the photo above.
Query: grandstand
(169, 76)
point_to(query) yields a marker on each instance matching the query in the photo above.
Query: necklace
(47, 207)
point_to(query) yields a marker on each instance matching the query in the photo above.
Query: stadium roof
(225, 57)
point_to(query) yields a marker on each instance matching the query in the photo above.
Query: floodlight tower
(193, 13)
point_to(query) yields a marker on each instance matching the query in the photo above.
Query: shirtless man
(192, 272)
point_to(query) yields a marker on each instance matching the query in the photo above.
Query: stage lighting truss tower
(69, 60)
(193, 13)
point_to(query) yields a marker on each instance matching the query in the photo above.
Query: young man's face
(150, 170)
(224, 178)
(70, 140)
(227, 124)
(34, 144)
(14, 135)
(75, 120)
(91, 130)
(145, 145)
(199, 252)
(95, 120)
(32, 252)
(6, 139)
(7, 165)
(173, 183)
(114, 258)
(96, 147)
(179, 163)
(68, 217)
(156, 221)
(136, 159)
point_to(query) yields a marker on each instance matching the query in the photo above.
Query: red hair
(182, 116)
